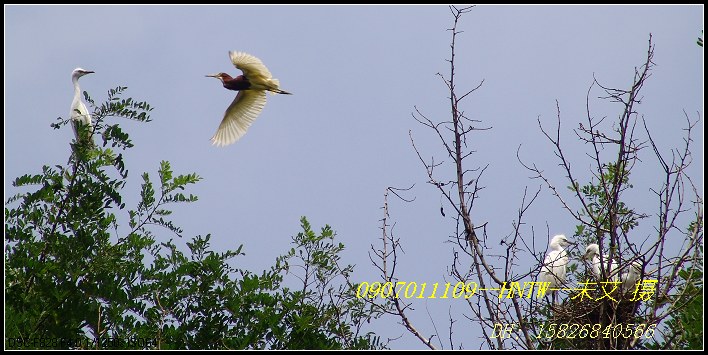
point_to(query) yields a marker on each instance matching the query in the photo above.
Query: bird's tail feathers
(275, 88)
(278, 91)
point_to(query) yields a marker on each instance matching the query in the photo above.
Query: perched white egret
(630, 278)
(592, 252)
(79, 112)
(553, 269)
(249, 101)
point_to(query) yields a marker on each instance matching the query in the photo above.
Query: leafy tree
(684, 329)
(76, 279)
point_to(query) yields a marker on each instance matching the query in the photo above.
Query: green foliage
(64, 270)
(325, 311)
(686, 326)
(598, 196)
(84, 272)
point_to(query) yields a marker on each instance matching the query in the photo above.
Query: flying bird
(249, 101)
(592, 253)
(79, 112)
(553, 268)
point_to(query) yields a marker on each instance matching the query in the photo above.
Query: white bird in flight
(79, 112)
(553, 269)
(249, 101)
(592, 252)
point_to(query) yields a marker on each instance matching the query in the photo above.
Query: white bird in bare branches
(554, 265)
(631, 277)
(592, 253)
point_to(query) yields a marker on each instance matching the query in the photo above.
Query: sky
(329, 151)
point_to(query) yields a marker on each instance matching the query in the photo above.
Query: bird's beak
(212, 75)
(89, 72)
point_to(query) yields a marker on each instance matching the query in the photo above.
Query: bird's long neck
(77, 89)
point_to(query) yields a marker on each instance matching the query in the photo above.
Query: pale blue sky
(329, 151)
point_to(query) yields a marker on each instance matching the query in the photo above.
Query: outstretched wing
(251, 66)
(247, 105)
